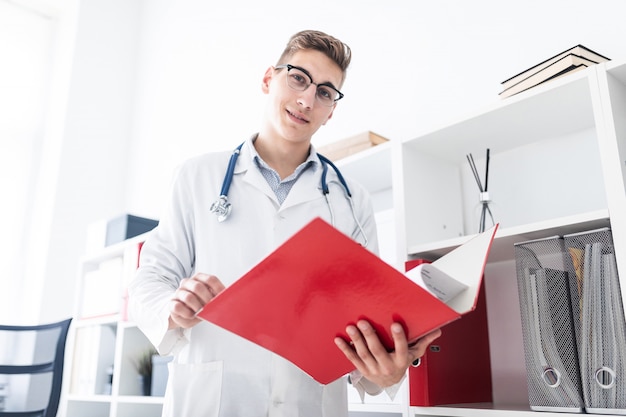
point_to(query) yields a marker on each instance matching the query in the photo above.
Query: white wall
(416, 64)
(152, 82)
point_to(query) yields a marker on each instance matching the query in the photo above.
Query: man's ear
(267, 78)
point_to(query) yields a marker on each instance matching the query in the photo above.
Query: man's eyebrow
(327, 83)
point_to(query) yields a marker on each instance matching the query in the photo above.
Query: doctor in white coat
(274, 188)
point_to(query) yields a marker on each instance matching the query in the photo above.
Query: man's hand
(192, 294)
(370, 357)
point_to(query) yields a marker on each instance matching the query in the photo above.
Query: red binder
(305, 293)
(456, 369)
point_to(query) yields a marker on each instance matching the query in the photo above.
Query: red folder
(453, 371)
(305, 293)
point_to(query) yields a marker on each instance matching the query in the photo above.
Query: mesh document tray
(551, 356)
(599, 320)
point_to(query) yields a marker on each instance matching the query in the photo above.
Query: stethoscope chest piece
(222, 208)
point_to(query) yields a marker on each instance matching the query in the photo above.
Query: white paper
(435, 281)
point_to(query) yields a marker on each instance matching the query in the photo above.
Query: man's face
(296, 115)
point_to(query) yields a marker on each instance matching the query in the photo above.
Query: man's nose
(308, 96)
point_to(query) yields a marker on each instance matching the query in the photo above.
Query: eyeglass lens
(299, 80)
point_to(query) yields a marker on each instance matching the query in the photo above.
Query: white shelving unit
(97, 343)
(557, 156)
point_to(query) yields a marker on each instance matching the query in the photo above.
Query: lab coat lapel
(306, 188)
(256, 179)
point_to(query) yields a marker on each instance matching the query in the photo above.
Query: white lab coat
(216, 373)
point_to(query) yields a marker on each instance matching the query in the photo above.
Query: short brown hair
(333, 48)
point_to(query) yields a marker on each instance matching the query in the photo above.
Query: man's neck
(283, 156)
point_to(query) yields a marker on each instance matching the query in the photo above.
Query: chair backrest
(31, 368)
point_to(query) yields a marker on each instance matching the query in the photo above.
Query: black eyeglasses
(299, 79)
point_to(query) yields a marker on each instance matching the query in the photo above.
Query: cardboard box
(349, 146)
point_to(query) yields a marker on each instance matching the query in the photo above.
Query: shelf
(89, 398)
(88, 407)
(372, 169)
(544, 157)
(502, 249)
(480, 410)
(371, 166)
(110, 320)
(146, 409)
(376, 408)
(139, 399)
(559, 110)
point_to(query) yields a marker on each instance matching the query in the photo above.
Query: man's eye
(298, 79)
(326, 93)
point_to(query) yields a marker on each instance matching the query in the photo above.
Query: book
(565, 65)
(94, 348)
(304, 294)
(102, 289)
(578, 50)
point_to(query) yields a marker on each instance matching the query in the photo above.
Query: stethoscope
(222, 207)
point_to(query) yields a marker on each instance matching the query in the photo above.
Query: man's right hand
(192, 294)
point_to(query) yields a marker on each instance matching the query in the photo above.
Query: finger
(367, 343)
(418, 350)
(400, 343)
(356, 348)
(179, 311)
(183, 322)
(193, 295)
(211, 282)
(347, 349)
(198, 290)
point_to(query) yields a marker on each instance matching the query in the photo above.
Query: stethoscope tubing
(222, 208)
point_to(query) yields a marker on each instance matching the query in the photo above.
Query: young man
(275, 189)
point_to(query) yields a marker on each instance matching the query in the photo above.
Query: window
(26, 39)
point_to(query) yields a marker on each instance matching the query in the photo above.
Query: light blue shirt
(281, 188)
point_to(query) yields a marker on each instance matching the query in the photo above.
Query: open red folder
(305, 293)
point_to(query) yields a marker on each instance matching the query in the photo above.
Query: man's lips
(297, 116)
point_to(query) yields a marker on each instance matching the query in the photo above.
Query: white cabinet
(557, 157)
(101, 377)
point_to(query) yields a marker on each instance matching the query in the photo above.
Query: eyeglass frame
(325, 84)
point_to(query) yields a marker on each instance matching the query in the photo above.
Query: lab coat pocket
(193, 389)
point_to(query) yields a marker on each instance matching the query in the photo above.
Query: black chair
(31, 369)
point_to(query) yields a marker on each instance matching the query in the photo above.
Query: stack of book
(568, 61)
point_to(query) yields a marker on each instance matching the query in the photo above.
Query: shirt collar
(311, 161)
